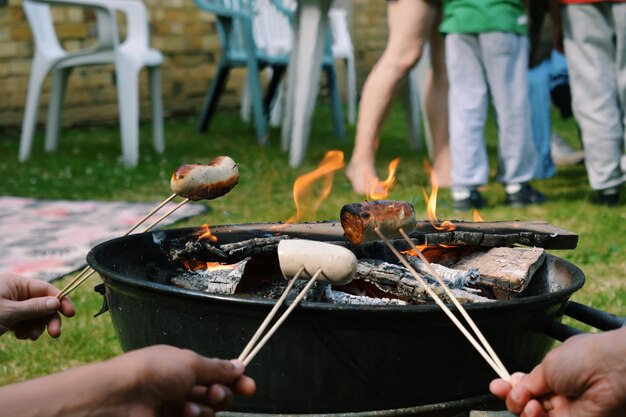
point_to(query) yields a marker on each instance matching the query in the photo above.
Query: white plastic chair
(344, 50)
(129, 57)
(273, 34)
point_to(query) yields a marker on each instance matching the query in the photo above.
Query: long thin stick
(69, 288)
(458, 305)
(282, 318)
(445, 308)
(270, 316)
(182, 203)
(147, 216)
(80, 278)
(73, 281)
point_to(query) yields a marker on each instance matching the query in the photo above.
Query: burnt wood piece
(529, 233)
(488, 234)
(509, 269)
(204, 249)
(254, 246)
(195, 249)
(397, 280)
(339, 297)
(455, 278)
(215, 281)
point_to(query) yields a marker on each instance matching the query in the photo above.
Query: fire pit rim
(543, 298)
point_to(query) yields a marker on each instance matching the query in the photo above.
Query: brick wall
(187, 39)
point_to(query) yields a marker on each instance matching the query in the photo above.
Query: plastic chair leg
(351, 90)
(413, 110)
(127, 76)
(55, 107)
(335, 103)
(213, 96)
(272, 89)
(258, 110)
(246, 103)
(38, 74)
(156, 94)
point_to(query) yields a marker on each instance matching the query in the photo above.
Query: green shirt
(479, 16)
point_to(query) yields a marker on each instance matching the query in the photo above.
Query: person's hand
(586, 376)
(154, 381)
(164, 380)
(28, 306)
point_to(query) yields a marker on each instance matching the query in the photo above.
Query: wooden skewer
(73, 281)
(502, 373)
(87, 272)
(182, 203)
(282, 318)
(147, 216)
(270, 316)
(76, 283)
(458, 305)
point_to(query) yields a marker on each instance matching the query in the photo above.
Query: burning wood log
(186, 249)
(197, 249)
(339, 297)
(397, 280)
(253, 246)
(454, 278)
(214, 281)
(508, 269)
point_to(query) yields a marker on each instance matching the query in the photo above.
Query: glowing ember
(379, 190)
(195, 265)
(205, 233)
(311, 189)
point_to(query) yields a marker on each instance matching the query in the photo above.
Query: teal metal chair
(235, 20)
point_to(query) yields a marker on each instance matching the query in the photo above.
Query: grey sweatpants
(595, 46)
(477, 65)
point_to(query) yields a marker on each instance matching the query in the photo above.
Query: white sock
(512, 188)
(461, 193)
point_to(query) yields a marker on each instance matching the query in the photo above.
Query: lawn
(87, 166)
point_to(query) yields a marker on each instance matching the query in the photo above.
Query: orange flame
(379, 190)
(307, 204)
(477, 216)
(195, 265)
(431, 207)
(412, 252)
(205, 233)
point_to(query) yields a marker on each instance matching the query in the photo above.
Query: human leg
(505, 56)
(467, 106)
(436, 103)
(409, 23)
(589, 31)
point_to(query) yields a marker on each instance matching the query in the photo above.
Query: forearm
(92, 390)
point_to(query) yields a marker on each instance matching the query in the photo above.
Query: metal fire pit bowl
(329, 359)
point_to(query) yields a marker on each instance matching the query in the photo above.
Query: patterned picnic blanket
(47, 239)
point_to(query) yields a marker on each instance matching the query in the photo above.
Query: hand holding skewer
(364, 221)
(191, 181)
(317, 261)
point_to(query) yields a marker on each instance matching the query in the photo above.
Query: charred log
(397, 280)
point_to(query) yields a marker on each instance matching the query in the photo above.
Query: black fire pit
(331, 359)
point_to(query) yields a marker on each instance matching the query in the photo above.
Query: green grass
(87, 166)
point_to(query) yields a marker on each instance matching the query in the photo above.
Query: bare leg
(410, 23)
(436, 103)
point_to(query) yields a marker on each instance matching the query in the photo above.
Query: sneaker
(526, 196)
(562, 153)
(608, 198)
(474, 201)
